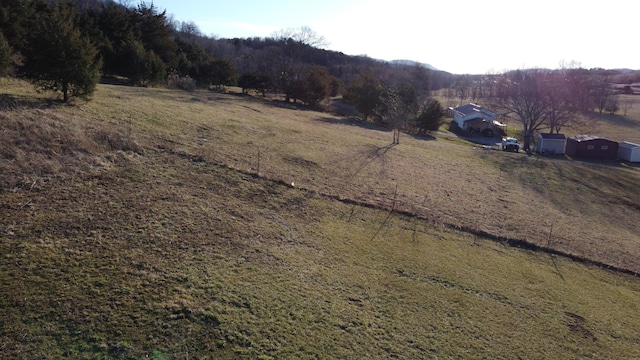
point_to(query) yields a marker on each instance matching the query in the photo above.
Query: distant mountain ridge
(413, 63)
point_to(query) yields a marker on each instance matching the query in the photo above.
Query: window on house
(590, 147)
(604, 147)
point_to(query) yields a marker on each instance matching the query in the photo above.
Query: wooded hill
(67, 46)
(144, 45)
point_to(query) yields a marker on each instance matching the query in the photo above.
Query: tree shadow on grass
(424, 137)
(13, 102)
(364, 159)
(353, 122)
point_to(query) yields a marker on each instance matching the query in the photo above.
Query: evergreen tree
(254, 81)
(144, 67)
(59, 58)
(17, 20)
(365, 93)
(316, 86)
(191, 60)
(155, 31)
(113, 20)
(220, 72)
(430, 118)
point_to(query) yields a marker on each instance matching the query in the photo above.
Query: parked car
(510, 144)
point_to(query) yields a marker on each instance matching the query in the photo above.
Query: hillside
(413, 63)
(167, 224)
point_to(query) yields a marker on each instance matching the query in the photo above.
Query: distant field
(163, 224)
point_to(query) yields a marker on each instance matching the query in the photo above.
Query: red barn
(591, 147)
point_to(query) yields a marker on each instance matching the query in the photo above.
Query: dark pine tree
(59, 58)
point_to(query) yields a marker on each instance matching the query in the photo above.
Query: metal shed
(629, 151)
(551, 144)
(591, 147)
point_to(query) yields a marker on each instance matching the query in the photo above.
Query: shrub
(175, 81)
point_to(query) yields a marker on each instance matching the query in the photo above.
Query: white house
(551, 144)
(473, 118)
(629, 151)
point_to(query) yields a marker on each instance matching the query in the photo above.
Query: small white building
(551, 144)
(629, 151)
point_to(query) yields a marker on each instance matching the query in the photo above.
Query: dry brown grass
(620, 126)
(43, 139)
(164, 224)
(161, 256)
(582, 208)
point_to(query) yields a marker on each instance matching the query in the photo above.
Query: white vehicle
(510, 144)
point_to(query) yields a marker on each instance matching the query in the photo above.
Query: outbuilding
(591, 147)
(551, 144)
(629, 151)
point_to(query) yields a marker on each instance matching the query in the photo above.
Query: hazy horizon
(458, 36)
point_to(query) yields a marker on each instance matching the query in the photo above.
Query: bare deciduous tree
(190, 29)
(522, 93)
(626, 105)
(293, 43)
(449, 94)
(462, 88)
(601, 92)
(545, 99)
(398, 108)
(612, 106)
(563, 110)
(577, 80)
(568, 96)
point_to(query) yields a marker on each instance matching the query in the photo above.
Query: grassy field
(171, 225)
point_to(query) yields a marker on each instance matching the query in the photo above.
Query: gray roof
(587, 137)
(552, 136)
(629, 145)
(469, 108)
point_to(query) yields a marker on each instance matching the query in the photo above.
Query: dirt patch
(577, 324)
(301, 161)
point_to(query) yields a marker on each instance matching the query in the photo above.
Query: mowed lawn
(159, 223)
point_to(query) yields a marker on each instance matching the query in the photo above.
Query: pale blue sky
(459, 36)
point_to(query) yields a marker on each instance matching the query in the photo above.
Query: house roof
(552, 136)
(471, 108)
(467, 109)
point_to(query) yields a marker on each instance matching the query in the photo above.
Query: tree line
(68, 45)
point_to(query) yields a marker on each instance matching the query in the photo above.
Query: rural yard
(165, 224)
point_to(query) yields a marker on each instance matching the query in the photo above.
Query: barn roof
(587, 137)
(629, 145)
